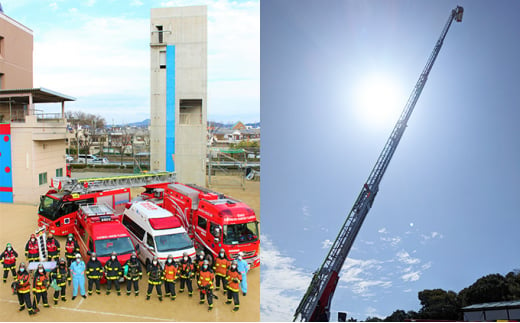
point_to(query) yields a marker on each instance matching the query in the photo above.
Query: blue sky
(98, 51)
(334, 79)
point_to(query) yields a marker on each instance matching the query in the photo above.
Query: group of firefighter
(209, 275)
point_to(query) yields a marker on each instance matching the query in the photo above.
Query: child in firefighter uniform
(205, 282)
(53, 248)
(60, 274)
(8, 258)
(186, 273)
(71, 249)
(94, 273)
(32, 252)
(233, 285)
(221, 267)
(24, 289)
(113, 271)
(40, 284)
(133, 273)
(170, 275)
(155, 278)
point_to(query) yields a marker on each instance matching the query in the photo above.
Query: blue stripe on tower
(170, 108)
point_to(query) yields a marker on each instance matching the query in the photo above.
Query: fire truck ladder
(86, 185)
(315, 304)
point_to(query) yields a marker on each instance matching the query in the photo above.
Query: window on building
(59, 172)
(190, 112)
(1, 46)
(1, 81)
(160, 33)
(42, 178)
(162, 59)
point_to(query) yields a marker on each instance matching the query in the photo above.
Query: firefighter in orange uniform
(221, 267)
(206, 277)
(53, 248)
(233, 281)
(71, 249)
(32, 252)
(186, 273)
(40, 283)
(8, 258)
(170, 275)
(24, 289)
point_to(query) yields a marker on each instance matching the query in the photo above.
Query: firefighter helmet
(9, 245)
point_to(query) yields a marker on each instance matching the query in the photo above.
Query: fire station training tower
(178, 98)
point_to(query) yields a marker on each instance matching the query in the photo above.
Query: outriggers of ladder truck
(59, 206)
(315, 304)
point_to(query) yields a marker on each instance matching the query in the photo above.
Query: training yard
(18, 221)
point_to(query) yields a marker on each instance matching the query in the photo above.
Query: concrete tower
(178, 50)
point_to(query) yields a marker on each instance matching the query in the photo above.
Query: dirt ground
(18, 221)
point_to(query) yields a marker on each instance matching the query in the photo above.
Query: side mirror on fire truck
(137, 251)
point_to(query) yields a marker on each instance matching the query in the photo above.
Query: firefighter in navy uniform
(94, 273)
(32, 252)
(133, 273)
(23, 282)
(40, 284)
(53, 248)
(220, 268)
(205, 283)
(113, 271)
(186, 273)
(71, 249)
(61, 274)
(233, 285)
(8, 258)
(170, 275)
(155, 278)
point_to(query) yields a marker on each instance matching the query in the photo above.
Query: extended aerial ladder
(315, 304)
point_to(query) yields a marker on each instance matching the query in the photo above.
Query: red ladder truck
(59, 206)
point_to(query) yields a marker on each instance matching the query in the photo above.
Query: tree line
(438, 304)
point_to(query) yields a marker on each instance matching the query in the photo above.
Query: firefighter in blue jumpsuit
(77, 270)
(243, 268)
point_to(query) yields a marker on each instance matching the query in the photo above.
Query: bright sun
(379, 101)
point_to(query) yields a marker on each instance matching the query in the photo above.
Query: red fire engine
(58, 207)
(215, 221)
(99, 230)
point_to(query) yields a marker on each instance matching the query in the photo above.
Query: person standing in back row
(221, 267)
(186, 273)
(8, 258)
(53, 248)
(155, 278)
(32, 251)
(71, 249)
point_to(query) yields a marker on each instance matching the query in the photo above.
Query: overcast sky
(98, 51)
(447, 210)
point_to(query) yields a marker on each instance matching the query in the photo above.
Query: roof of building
(40, 95)
(492, 305)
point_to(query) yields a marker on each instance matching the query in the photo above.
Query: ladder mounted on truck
(87, 185)
(315, 304)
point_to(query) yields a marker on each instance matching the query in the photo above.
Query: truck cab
(99, 230)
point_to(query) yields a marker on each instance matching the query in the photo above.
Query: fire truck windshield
(173, 242)
(240, 233)
(48, 207)
(121, 246)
